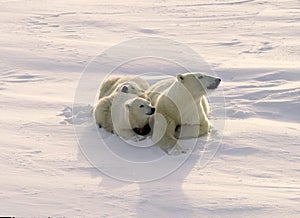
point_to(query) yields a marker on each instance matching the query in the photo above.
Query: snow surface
(253, 45)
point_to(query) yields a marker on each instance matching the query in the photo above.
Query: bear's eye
(141, 106)
(200, 77)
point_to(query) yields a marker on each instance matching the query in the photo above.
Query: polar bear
(136, 85)
(181, 108)
(130, 113)
(109, 88)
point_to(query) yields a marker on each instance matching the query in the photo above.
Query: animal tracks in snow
(18, 77)
(77, 115)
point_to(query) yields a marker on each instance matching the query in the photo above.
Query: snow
(249, 169)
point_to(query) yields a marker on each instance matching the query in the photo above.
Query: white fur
(136, 85)
(183, 106)
(108, 90)
(129, 112)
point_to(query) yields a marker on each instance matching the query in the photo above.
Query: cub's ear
(180, 77)
(129, 103)
(124, 89)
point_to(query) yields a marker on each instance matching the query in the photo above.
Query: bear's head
(198, 84)
(131, 87)
(139, 112)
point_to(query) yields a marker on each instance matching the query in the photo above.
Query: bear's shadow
(167, 191)
(154, 194)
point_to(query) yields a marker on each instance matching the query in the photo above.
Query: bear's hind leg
(103, 114)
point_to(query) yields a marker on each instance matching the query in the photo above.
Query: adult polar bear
(181, 108)
(136, 85)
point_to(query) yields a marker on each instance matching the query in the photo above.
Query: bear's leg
(205, 105)
(108, 120)
(192, 131)
(126, 133)
(204, 127)
(130, 134)
(159, 127)
(97, 113)
(188, 131)
(103, 114)
(163, 134)
(204, 122)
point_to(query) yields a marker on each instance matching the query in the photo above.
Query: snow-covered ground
(253, 45)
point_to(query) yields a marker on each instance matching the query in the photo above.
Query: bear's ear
(180, 77)
(129, 103)
(124, 89)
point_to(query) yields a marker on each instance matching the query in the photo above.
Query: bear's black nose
(151, 111)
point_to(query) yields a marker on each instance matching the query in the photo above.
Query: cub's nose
(151, 111)
(218, 81)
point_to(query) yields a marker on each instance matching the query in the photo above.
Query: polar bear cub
(108, 90)
(181, 108)
(130, 113)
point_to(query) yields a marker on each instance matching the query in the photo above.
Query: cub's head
(198, 84)
(139, 111)
(131, 87)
